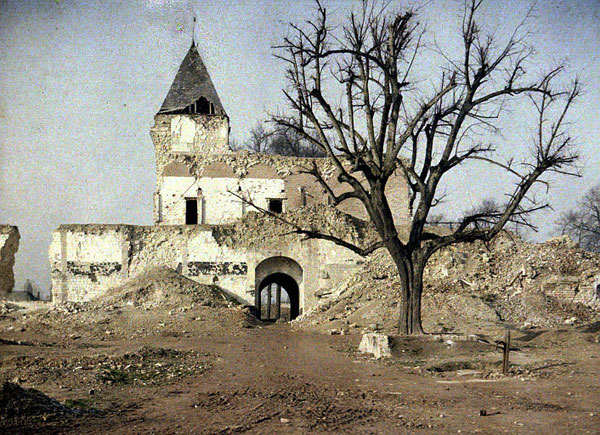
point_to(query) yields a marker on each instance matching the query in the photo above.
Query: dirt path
(276, 380)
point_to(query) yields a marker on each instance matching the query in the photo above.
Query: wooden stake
(506, 351)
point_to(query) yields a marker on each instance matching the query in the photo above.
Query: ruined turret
(192, 115)
(191, 121)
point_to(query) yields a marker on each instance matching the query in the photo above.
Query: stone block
(377, 344)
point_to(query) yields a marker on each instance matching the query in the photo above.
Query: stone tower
(190, 122)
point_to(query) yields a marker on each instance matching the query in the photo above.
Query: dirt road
(273, 379)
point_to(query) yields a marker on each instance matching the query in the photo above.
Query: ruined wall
(257, 177)
(573, 288)
(192, 153)
(9, 244)
(216, 204)
(86, 260)
(196, 133)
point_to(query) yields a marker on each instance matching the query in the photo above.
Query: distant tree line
(582, 223)
(280, 141)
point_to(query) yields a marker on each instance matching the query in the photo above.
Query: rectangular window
(191, 211)
(275, 205)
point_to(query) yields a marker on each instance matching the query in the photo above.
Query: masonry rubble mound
(473, 287)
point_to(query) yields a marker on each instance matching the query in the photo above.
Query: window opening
(275, 205)
(191, 211)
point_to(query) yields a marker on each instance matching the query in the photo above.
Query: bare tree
(284, 142)
(352, 93)
(290, 143)
(583, 223)
(260, 139)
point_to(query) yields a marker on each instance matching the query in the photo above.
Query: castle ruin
(200, 183)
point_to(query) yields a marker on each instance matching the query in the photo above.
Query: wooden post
(269, 302)
(277, 301)
(506, 351)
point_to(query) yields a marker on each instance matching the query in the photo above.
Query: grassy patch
(87, 404)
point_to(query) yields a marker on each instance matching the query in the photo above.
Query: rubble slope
(473, 288)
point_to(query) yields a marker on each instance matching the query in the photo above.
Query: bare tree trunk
(411, 281)
(277, 301)
(417, 291)
(269, 302)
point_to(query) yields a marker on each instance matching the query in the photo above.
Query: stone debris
(163, 285)
(17, 403)
(473, 287)
(158, 302)
(377, 344)
(257, 230)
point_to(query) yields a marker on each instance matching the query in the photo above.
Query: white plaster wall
(94, 248)
(220, 205)
(172, 198)
(210, 134)
(86, 252)
(203, 248)
(54, 249)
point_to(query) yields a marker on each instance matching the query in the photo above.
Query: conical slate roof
(191, 82)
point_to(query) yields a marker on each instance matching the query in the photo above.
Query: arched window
(201, 106)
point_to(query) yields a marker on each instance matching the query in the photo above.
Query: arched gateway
(278, 282)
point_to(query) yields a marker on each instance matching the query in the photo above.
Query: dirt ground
(274, 378)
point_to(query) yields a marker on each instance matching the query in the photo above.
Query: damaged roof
(191, 82)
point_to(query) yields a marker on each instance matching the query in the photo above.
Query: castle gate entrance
(277, 284)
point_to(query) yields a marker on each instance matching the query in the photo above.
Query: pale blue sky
(81, 81)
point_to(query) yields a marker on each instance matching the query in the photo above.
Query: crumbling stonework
(87, 260)
(9, 244)
(211, 173)
(474, 285)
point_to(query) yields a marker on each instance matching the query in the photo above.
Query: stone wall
(192, 153)
(86, 260)
(205, 134)
(573, 288)
(212, 179)
(9, 244)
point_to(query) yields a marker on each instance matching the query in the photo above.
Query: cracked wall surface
(87, 260)
(9, 244)
(211, 172)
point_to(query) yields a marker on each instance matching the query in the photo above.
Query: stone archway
(286, 275)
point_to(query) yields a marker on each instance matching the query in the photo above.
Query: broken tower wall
(9, 244)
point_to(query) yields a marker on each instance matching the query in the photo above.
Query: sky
(80, 83)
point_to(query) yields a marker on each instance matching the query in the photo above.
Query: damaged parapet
(9, 244)
(241, 258)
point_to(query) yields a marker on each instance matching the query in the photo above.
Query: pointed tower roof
(191, 82)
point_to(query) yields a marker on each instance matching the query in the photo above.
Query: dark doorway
(191, 211)
(286, 306)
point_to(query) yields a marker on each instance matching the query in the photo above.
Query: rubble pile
(163, 285)
(145, 366)
(473, 287)
(18, 403)
(257, 230)
(158, 302)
